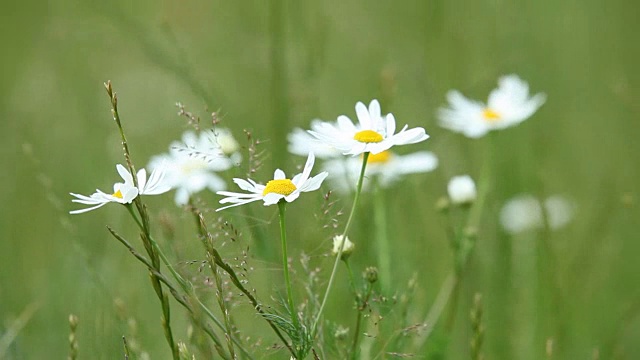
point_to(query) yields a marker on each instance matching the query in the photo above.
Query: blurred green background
(268, 66)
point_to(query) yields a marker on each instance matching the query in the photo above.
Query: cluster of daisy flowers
(190, 166)
(195, 163)
(349, 151)
(375, 134)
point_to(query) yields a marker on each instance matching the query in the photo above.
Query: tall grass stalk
(314, 328)
(477, 329)
(183, 300)
(363, 303)
(382, 237)
(285, 264)
(228, 328)
(146, 231)
(15, 327)
(464, 242)
(202, 228)
(73, 337)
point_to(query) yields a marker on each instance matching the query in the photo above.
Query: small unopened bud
(462, 190)
(347, 247)
(371, 274)
(443, 204)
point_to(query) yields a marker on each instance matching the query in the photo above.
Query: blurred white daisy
(508, 105)
(302, 143)
(374, 133)
(524, 212)
(125, 192)
(461, 189)
(385, 168)
(275, 190)
(191, 165)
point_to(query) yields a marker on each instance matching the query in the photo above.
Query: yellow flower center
(368, 136)
(117, 194)
(490, 115)
(282, 187)
(380, 158)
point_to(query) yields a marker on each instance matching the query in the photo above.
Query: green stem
(361, 308)
(174, 292)
(464, 245)
(285, 264)
(344, 234)
(351, 279)
(116, 117)
(382, 240)
(155, 280)
(202, 228)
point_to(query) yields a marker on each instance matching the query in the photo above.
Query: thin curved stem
(464, 247)
(285, 264)
(204, 233)
(361, 308)
(339, 254)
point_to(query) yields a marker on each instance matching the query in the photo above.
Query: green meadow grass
(270, 66)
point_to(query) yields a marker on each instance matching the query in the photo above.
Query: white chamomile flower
(126, 192)
(156, 184)
(226, 141)
(302, 143)
(347, 247)
(277, 189)
(525, 212)
(191, 165)
(508, 105)
(461, 189)
(374, 133)
(385, 167)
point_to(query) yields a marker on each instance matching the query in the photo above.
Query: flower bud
(347, 248)
(371, 274)
(461, 189)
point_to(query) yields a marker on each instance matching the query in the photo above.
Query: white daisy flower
(126, 192)
(191, 165)
(508, 105)
(461, 189)
(277, 189)
(386, 167)
(524, 212)
(302, 143)
(156, 184)
(226, 142)
(374, 133)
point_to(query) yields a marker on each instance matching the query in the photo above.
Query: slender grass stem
(361, 308)
(113, 97)
(314, 328)
(285, 264)
(464, 247)
(202, 228)
(351, 279)
(16, 326)
(146, 233)
(220, 290)
(382, 239)
(186, 287)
